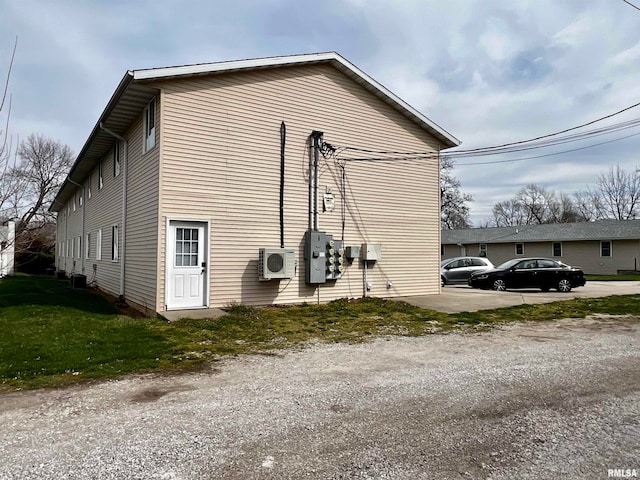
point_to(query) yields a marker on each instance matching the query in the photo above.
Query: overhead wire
(544, 141)
(629, 3)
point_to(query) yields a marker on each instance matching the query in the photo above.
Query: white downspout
(124, 205)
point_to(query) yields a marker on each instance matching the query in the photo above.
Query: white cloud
(488, 72)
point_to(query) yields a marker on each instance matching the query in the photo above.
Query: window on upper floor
(100, 178)
(116, 158)
(89, 187)
(149, 137)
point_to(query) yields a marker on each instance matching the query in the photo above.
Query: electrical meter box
(335, 258)
(324, 258)
(315, 256)
(371, 251)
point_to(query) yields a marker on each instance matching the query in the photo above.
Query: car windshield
(507, 265)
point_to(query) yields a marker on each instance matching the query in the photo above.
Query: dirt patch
(148, 395)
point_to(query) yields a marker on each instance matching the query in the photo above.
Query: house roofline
(139, 80)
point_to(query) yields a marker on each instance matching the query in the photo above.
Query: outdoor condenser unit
(276, 263)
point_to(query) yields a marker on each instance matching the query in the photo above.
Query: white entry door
(186, 265)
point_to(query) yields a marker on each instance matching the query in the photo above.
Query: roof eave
(448, 140)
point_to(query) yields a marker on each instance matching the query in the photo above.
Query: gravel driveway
(527, 401)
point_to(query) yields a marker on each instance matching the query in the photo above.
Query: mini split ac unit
(275, 263)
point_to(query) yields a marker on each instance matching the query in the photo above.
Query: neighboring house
(190, 171)
(602, 247)
(7, 248)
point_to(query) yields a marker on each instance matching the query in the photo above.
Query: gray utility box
(324, 258)
(371, 251)
(315, 247)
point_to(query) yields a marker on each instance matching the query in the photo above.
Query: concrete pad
(196, 313)
(461, 298)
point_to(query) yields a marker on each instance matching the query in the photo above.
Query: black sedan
(542, 273)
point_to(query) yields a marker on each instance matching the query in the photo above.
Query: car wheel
(443, 282)
(499, 285)
(564, 285)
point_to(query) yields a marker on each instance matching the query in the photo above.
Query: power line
(629, 3)
(559, 132)
(404, 156)
(549, 154)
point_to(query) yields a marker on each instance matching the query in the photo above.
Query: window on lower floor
(519, 248)
(483, 250)
(114, 243)
(557, 249)
(99, 245)
(605, 249)
(87, 245)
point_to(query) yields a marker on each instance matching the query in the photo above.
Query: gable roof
(134, 92)
(558, 232)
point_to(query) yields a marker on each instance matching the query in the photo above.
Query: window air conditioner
(275, 263)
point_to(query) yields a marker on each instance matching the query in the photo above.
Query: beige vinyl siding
(68, 230)
(103, 210)
(142, 220)
(221, 162)
(625, 255)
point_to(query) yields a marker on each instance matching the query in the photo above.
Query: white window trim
(553, 250)
(79, 247)
(149, 134)
(114, 243)
(99, 244)
(100, 176)
(89, 188)
(87, 246)
(610, 248)
(483, 249)
(516, 248)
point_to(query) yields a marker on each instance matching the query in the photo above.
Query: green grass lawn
(610, 278)
(52, 335)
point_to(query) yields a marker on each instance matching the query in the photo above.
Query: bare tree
(615, 195)
(535, 205)
(42, 168)
(454, 213)
(508, 213)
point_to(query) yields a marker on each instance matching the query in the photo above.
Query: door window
(186, 247)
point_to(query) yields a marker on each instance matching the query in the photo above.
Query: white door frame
(207, 256)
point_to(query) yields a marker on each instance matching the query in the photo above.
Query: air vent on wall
(276, 263)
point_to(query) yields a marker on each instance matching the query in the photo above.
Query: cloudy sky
(488, 71)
